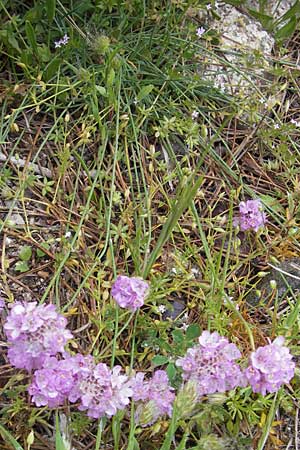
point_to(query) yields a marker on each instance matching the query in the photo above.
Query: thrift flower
(101, 391)
(34, 332)
(270, 367)
(57, 379)
(155, 397)
(211, 364)
(2, 304)
(129, 292)
(200, 32)
(251, 215)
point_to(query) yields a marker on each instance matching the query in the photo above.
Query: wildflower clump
(251, 215)
(211, 364)
(270, 367)
(129, 292)
(34, 332)
(154, 396)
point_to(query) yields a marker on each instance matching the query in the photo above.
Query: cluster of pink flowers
(211, 364)
(270, 367)
(34, 332)
(251, 215)
(37, 336)
(99, 390)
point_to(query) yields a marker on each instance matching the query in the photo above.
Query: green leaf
(292, 12)
(272, 203)
(144, 92)
(40, 252)
(101, 90)
(51, 69)
(287, 30)
(43, 53)
(30, 34)
(171, 371)
(21, 266)
(111, 77)
(59, 443)
(159, 360)
(193, 331)
(25, 253)
(8, 437)
(183, 200)
(178, 336)
(265, 20)
(50, 8)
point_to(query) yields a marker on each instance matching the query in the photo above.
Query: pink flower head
(270, 367)
(211, 365)
(251, 215)
(57, 379)
(101, 391)
(154, 395)
(129, 292)
(34, 332)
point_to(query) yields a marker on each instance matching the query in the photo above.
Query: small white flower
(195, 271)
(174, 270)
(161, 308)
(200, 31)
(68, 234)
(63, 41)
(184, 326)
(208, 7)
(295, 122)
(195, 115)
(276, 126)
(262, 100)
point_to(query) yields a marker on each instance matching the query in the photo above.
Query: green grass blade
(184, 200)
(59, 443)
(8, 437)
(268, 424)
